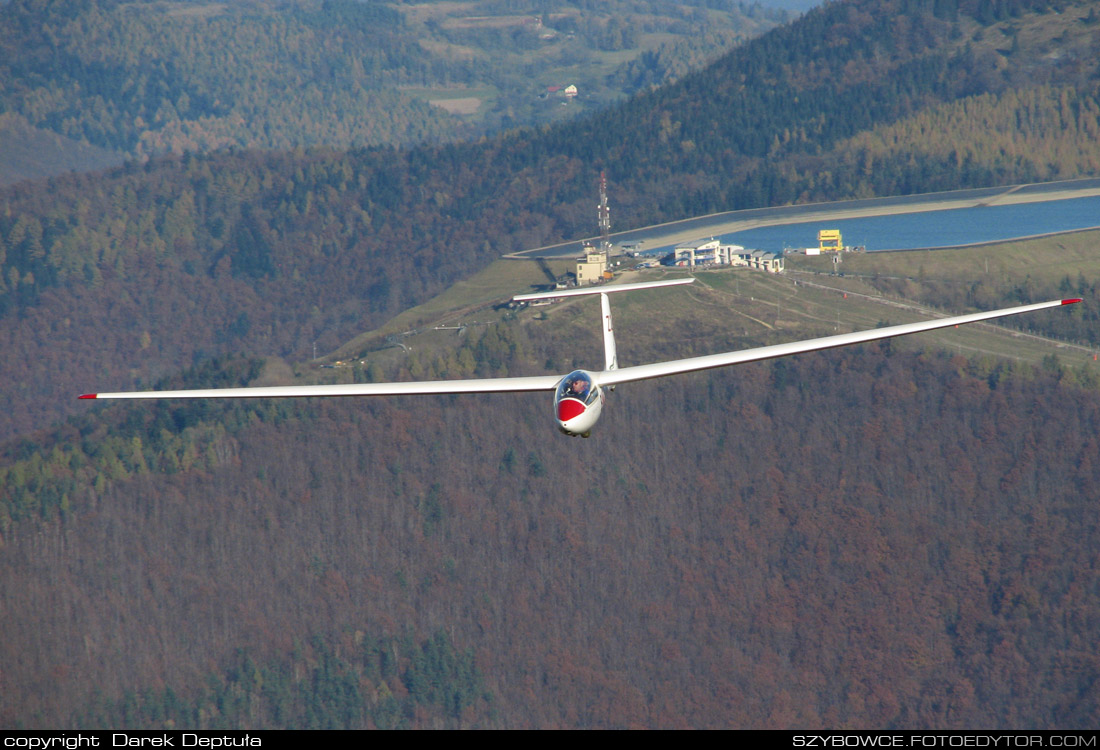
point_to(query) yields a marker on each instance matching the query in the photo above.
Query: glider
(579, 396)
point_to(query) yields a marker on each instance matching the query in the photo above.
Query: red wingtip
(1071, 301)
(89, 395)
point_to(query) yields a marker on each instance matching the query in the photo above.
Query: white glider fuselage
(578, 403)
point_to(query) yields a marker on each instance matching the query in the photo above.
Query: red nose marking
(568, 408)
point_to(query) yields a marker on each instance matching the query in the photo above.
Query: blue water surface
(948, 228)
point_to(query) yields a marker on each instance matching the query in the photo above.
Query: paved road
(714, 225)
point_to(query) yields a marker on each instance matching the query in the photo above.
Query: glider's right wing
(661, 369)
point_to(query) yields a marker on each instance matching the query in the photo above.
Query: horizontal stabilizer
(602, 289)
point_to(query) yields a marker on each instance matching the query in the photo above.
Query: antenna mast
(604, 212)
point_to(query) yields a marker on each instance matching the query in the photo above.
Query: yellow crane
(829, 241)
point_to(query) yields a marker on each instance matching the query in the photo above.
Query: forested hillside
(146, 78)
(774, 121)
(859, 538)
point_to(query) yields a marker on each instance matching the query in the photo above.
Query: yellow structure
(829, 241)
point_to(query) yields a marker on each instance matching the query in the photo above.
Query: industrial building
(705, 253)
(762, 260)
(593, 269)
(713, 253)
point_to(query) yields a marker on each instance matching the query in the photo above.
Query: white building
(763, 261)
(706, 253)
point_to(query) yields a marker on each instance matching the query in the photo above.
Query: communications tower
(593, 268)
(604, 214)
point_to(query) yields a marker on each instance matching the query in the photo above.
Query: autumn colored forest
(860, 538)
(880, 537)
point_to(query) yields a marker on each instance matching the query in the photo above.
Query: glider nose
(568, 409)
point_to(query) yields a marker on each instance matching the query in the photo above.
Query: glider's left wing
(486, 385)
(661, 369)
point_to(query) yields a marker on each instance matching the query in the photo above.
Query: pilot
(578, 388)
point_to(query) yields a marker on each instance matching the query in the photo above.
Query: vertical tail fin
(611, 359)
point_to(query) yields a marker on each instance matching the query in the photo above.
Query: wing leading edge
(486, 385)
(661, 369)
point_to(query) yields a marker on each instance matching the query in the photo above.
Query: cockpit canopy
(578, 384)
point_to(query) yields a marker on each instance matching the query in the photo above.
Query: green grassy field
(1047, 259)
(734, 308)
